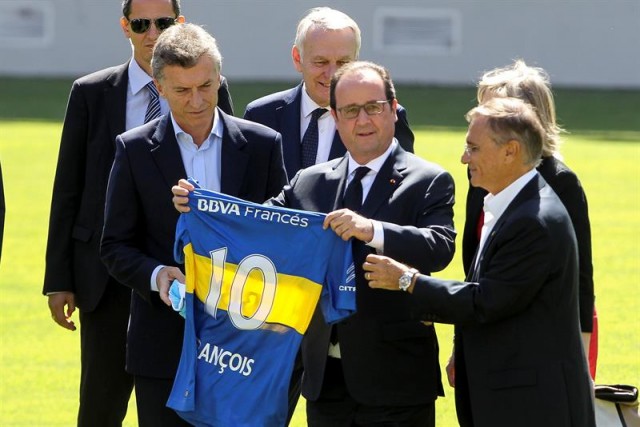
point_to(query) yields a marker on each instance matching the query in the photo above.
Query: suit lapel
(532, 188)
(115, 98)
(337, 183)
(386, 182)
(234, 161)
(289, 128)
(165, 152)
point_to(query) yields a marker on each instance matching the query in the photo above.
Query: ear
(394, 108)
(159, 87)
(180, 19)
(125, 27)
(334, 114)
(512, 150)
(297, 58)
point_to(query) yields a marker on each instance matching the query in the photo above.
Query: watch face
(405, 280)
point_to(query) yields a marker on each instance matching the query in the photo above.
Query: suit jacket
(519, 358)
(389, 357)
(569, 189)
(140, 221)
(96, 114)
(281, 111)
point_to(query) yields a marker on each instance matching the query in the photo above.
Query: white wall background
(590, 43)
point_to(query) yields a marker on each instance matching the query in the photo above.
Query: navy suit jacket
(281, 111)
(569, 189)
(518, 351)
(140, 221)
(96, 114)
(389, 356)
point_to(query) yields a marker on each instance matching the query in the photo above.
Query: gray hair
(327, 19)
(532, 85)
(513, 119)
(184, 45)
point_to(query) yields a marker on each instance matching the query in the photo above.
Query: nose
(464, 159)
(362, 116)
(153, 31)
(331, 69)
(195, 99)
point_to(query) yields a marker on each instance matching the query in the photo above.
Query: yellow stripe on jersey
(295, 298)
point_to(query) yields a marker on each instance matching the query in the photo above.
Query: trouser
(105, 387)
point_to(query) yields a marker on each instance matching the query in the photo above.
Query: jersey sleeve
(338, 298)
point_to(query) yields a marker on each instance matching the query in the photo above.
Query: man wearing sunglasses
(101, 106)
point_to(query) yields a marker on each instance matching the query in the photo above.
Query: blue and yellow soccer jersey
(254, 275)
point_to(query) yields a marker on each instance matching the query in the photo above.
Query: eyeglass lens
(371, 108)
(142, 25)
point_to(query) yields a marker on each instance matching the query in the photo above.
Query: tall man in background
(101, 106)
(326, 39)
(224, 153)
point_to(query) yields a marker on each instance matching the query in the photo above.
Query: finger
(178, 275)
(71, 307)
(63, 321)
(164, 296)
(373, 259)
(186, 185)
(179, 191)
(331, 217)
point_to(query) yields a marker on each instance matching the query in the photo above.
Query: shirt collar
(375, 164)
(183, 137)
(138, 78)
(308, 105)
(496, 204)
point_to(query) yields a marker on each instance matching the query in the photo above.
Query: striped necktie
(153, 109)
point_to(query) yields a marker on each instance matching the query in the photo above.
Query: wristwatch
(405, 280)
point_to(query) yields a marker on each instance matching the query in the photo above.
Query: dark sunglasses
(142, 25)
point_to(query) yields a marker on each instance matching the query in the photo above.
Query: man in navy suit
(197, 139)
(518, 351)
(101, 106)
(380, 366)
(325, 40)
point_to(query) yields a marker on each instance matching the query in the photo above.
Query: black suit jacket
(96, 114)
(281, 111)
(140, 221)
(569, 189)
(389, 356)
(519, 358)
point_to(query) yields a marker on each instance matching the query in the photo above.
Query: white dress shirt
(138, 96)
(496, 204)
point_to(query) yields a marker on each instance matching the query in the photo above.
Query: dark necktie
(352, 200)
(353, 196)
(310, 139)
(153, 109)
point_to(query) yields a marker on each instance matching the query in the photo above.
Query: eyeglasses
(372, 108)
(142, 25)
(470, 149)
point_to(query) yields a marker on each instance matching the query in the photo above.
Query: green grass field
(39, 361)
